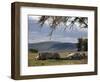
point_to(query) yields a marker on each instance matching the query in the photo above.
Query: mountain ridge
(53, 46)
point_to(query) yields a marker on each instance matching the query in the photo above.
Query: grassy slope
(33, 62)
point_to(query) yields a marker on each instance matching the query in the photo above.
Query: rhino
(76, 56)
(48, 55)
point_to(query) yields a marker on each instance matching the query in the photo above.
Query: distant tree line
(33, 50)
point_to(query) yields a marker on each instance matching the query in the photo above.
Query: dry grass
(33, 62)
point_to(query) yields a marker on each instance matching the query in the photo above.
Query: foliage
(33, 50)
(66, 21)
(82, 44)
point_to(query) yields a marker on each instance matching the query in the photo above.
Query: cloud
(39, 39)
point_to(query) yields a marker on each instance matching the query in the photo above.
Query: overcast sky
(36, 33)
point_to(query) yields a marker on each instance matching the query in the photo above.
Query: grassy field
(33, 62)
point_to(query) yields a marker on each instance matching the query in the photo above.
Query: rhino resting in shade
(47, 55)
(76, 56)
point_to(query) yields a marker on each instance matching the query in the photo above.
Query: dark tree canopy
(82, 44)
(66, 21)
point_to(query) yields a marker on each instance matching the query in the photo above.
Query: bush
(33, 50)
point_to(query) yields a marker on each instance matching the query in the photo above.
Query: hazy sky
(40, 34)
